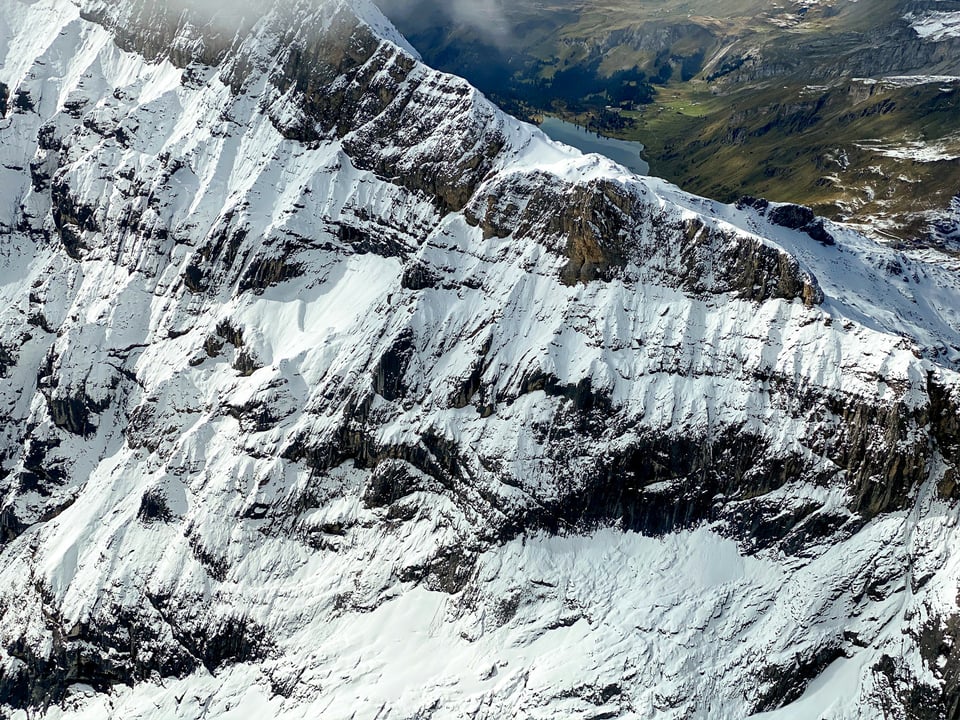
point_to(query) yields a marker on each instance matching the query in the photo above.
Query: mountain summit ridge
(331, 389)
(213, 27)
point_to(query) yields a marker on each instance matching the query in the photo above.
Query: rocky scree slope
(332, 390)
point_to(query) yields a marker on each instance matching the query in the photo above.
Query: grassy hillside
(855, 151)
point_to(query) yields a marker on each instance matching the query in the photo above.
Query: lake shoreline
(625, 152)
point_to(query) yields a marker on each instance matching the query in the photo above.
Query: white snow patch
(935, 26)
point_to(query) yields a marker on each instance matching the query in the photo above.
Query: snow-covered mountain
(332, 391)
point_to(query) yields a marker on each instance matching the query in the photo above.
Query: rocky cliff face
(330, 390)
(898, 39)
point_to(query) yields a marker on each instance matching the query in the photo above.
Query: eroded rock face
(602, 227)
(179, 32)
(299, 331)
(891, 48)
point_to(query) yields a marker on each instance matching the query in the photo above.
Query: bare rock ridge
(311, 355)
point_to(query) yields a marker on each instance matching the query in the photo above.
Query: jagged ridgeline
(331, 390)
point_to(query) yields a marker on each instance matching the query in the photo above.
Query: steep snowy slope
(331, 391)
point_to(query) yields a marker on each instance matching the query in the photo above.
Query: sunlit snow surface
(605, 623)
(662, 617)
(935, 26)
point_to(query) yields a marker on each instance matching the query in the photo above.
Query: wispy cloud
(225, 15)
(485, 17)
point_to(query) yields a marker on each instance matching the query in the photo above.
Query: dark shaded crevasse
(40, 174)
(40, 472)
(686, 475)
(390, 481)
(10, 526)
(391, 368)
(945, 426)
(784, 684)
(22, 101)
(259, 275)
(153, 508)
(7, 361)
(419, 276)
(70, 218)
(73, 413)
(363, 242)
(194, 280)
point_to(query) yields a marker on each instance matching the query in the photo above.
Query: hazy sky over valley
(486, 17)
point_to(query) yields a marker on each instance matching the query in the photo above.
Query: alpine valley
(332, 391)
(849, 106)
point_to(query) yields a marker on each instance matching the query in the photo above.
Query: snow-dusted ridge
(935, 26)
(332, 391)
